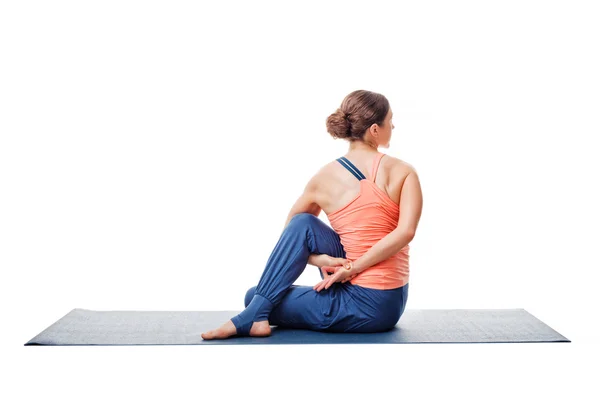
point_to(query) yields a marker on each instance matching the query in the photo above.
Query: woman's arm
(389, 245)
(411, 205)
(312, 259)
(307, 202)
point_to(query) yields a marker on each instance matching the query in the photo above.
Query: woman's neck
(362, 147)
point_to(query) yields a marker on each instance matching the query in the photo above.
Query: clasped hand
(334, 266)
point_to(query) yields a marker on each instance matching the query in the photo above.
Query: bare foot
(259, 329)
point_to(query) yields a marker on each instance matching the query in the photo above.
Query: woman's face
(385, 133)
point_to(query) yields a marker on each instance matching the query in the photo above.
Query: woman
(374, 205)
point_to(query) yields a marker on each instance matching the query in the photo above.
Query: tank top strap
(351, 167)
(376, 161)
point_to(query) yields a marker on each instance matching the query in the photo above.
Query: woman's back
(360, 196)
(337, 186)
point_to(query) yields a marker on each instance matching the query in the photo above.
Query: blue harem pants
(343, 307)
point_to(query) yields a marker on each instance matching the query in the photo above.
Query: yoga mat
(89, 327)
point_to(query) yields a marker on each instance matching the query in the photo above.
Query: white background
(150, 152)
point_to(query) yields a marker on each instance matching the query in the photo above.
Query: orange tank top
(364, 221)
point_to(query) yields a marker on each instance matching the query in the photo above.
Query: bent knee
(249, 295)
(304, 222)
(302, 219)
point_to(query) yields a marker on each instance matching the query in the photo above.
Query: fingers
(319, 286)
(328, 284)
(334, 278)
(331, 269)
(331, 279)
(325, 283)
(324, 272)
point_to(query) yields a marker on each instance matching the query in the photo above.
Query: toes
(222, 332)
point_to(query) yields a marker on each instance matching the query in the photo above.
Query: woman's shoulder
(396, 161)
(397, 166)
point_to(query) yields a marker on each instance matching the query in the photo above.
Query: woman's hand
(340, 274)
(325, 260)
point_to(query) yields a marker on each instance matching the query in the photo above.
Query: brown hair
(359, 110)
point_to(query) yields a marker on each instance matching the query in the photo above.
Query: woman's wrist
(355, 267)
(349, 266)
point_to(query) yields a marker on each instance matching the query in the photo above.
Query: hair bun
(367, 107)
(338, 125)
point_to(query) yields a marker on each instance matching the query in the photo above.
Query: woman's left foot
(259, 329)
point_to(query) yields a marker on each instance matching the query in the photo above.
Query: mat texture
(89, 327)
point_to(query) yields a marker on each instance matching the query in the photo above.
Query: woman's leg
(343, 307)
(305, 234)
(302, 307)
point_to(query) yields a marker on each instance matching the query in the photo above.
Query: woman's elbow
(405, 235)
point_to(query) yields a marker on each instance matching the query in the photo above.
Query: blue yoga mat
(88, 327)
